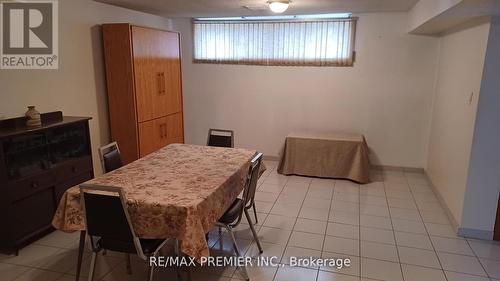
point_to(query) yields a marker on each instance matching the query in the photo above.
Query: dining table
(178, 192)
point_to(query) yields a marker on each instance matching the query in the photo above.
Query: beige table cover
(178, 192)
(326, 155)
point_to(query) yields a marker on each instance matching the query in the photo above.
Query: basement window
(309, 40)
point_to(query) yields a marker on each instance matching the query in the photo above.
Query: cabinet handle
(163, 130)
(34, 185)
(161, 83)
(74, 169)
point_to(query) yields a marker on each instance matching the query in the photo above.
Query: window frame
(353, 19)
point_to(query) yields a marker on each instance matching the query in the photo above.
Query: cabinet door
(175, 129)
(152, 135)
(150, 77)
(172, 66)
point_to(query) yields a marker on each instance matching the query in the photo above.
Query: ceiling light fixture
(279, 6)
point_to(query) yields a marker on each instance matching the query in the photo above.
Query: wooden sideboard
(36, 168)
(143, 73)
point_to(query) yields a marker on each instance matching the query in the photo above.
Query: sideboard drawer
(32, 213)
(31, 185)
(73, 168)
(63, 186)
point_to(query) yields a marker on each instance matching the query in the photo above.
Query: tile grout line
(408, 232)
(284, 249)
(290, 237)
(281, 190)
(427, 231)
(479, 260)
(394, 234)
(327, 222)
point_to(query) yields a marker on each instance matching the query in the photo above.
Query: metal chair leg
(255, 237)
(176, 248)
(81, 247)
(92, 266)
(237, 251)
(177, 252)
(128, 265)
(150, 272)
(255, 213)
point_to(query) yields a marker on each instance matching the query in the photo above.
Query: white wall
(386, 95)
(461, 60)
(78, 87)
(483, 185)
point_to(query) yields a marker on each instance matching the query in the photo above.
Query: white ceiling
(217, 8)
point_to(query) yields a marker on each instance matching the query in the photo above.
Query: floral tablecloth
(179, 191)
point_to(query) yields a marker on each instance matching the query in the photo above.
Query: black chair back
(220, 138)
(112, 160)
(106, 216)
(100, 210)
(253, 177)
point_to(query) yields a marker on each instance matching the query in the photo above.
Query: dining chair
(104, 204)
(232, 217)
(225, 138)
(220, 138)
(110, 157)
(111, 160)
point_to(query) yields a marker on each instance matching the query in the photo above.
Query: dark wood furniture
(143, 73)
(36, 168)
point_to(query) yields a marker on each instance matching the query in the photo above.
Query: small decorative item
(33, 118)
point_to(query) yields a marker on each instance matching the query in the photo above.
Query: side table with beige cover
(326, 155)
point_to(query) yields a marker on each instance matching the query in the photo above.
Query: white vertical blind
(318, 43)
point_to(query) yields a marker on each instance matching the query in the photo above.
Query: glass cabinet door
(26, 155)
(67, 143)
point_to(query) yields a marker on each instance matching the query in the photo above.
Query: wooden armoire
(143, 72)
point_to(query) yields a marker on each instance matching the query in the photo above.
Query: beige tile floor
(391, 229)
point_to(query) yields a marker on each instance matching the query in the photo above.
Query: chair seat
(233, 212)
(149, 246)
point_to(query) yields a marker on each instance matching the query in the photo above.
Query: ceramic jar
(33, 118)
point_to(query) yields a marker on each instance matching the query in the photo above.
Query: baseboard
(475, 233)
(397, 168)
(461, 231)
(443, 204)
(374, 167)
